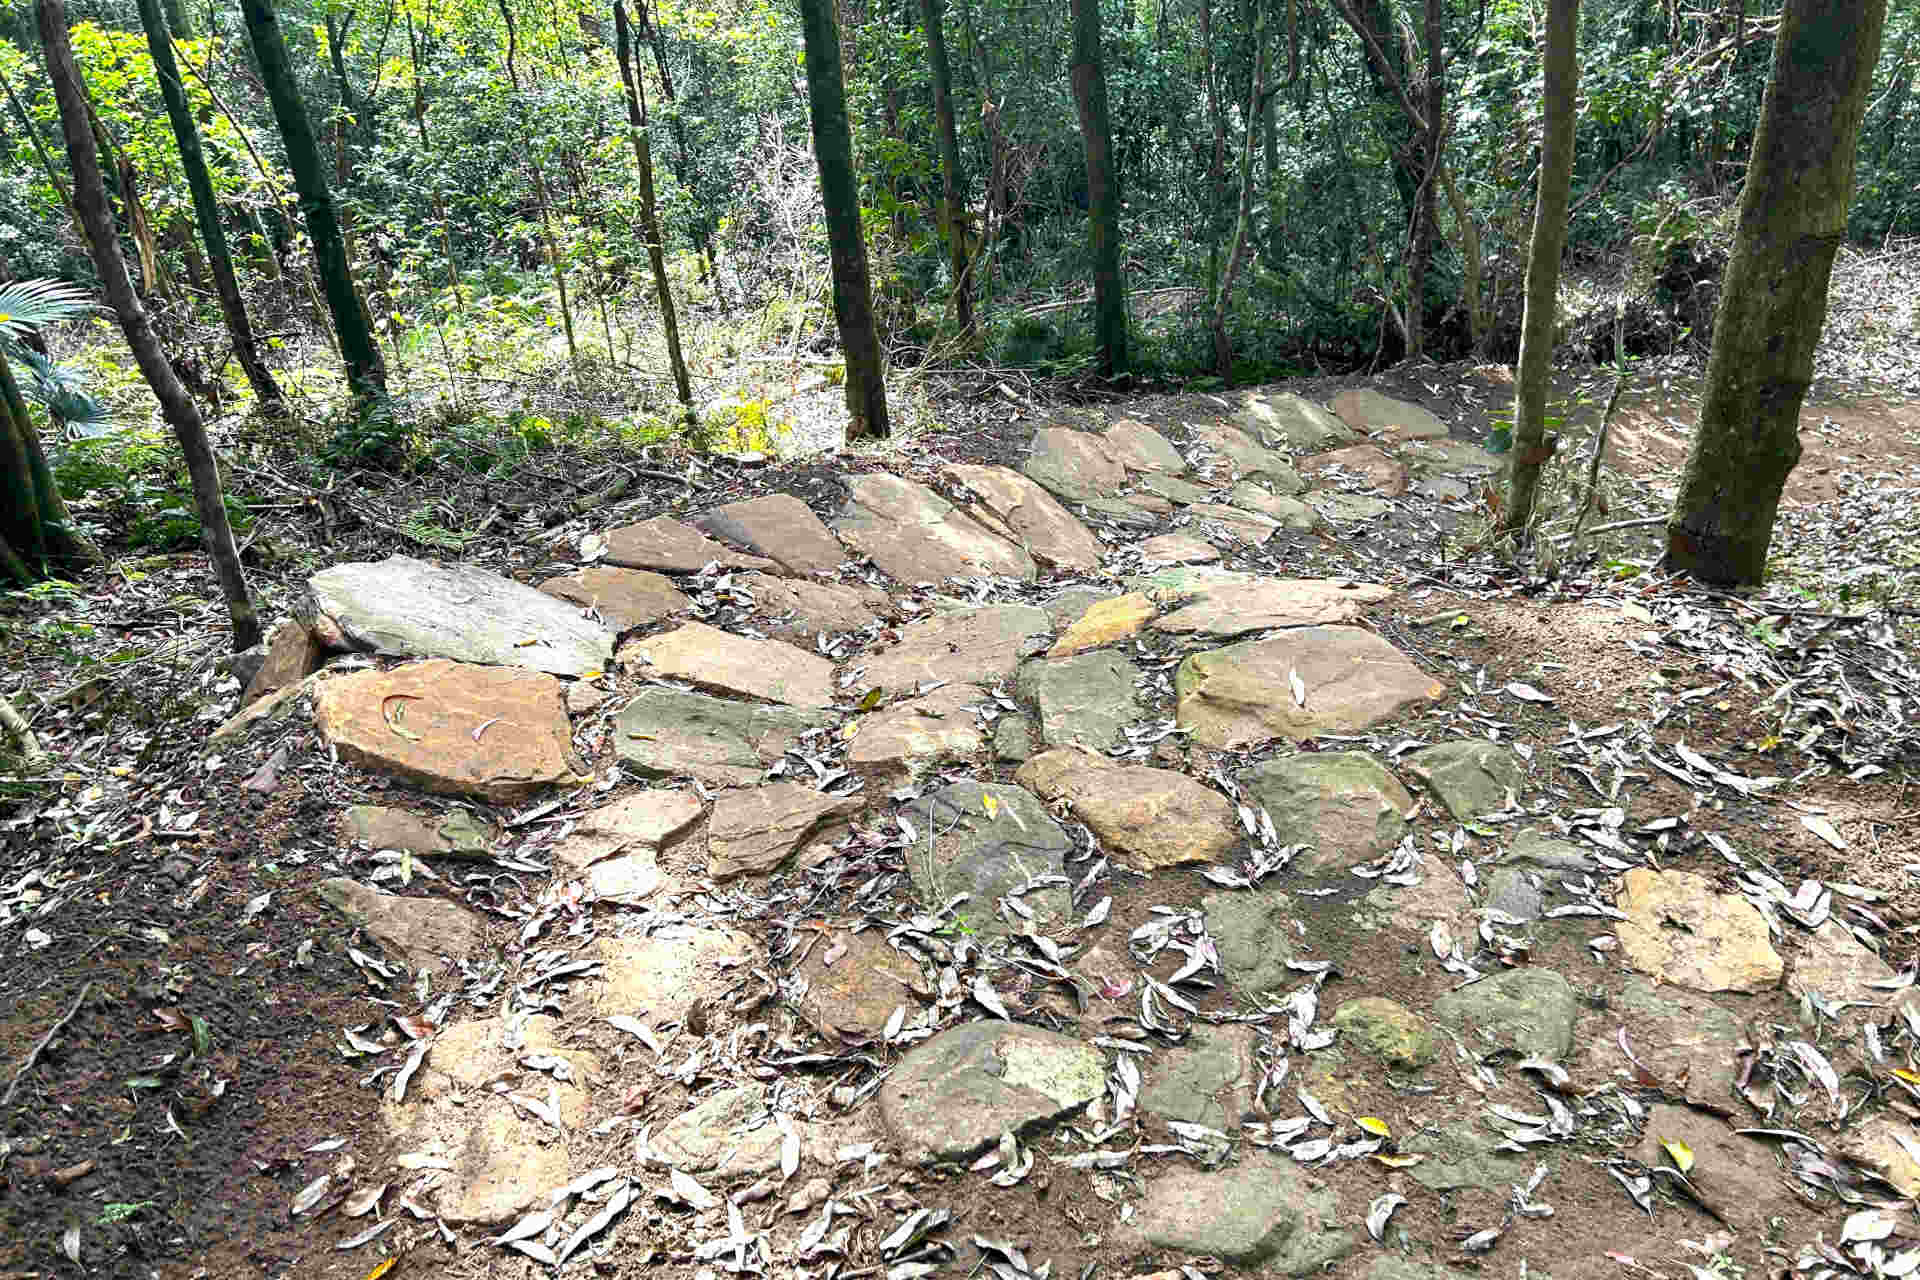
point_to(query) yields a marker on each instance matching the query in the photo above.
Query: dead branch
(33, 1054)
(35, 755)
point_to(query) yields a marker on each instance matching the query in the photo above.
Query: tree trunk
(840, 192)
(1793, 215)
(1103, 195)
(1561, 77)
(365, 372)
(206, 210)
(40, 149)
(649, 216)
(546, 204)
(957, 220)
(1242, 225)
(90, 197)
(703, 225)
(1427, 213)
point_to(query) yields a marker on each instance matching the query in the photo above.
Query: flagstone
(722, 662)
(670, 546)
(975, 645)
(914, 535)
(1350, 679)
(1045, 529)
(780, 527)
(624, 598)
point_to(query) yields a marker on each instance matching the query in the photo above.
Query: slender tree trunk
(366, 373)
(40, 149)
(1561, 77)
(206, 210)
(1427, 213)
(649, 216)
(54, 530)
(951, 186)
(683, 166)
(1773, 304)
(1243, 223)
(426, 148)
(1103, 195)
(1217, 161)
(546, 204)
(840, 193)
(90, 196)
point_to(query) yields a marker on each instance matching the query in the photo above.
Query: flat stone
(914, 535)
(628, 879)
(1388, 1030)
(425, 932)
(1247, 526)
(1886, 1146)
(1181, 583)
(1680, 930)
(804, 607)
(852, 984)
(1105, 622)
(1367, 410)
(1242, 695)
(1130, 510)
(906, 739)
(1343, 805)
(1290, 419)
(1208, 1079)
(1443, 488)
(498, 733)
(1174, 489)
(729, 1134)
(1248, 460)
(1687, 1042)
(584, 699)
(1530, 1011)
(1532, 848)
(453, 834)
(1471, 777)
(976, 646)
(659, 977)
(1738, 1176)
(722, 662)
(643, 821)
(780, 527)
(1177, 548)
(624, 598)
(1087, 698)
(987, 840)
(1150, 818)
(1074, 466)
(414, 609)
(1439, 895)
(503, 1161)
(1451, 458)
(1393, 1267)
(1288, 512)
(293, 653)
(1264, 1210)
(1252, 929)
(1835, 966)
(951, 1097)
(666, 733)
(667, 545)
(1013, 740)
(1138, 447)
(1234, 609)
(1516, 892)
(1347, 508)
(1383, 473)
(753, 832)
(1046, 530)
(1460, 1155)
(1067, 604)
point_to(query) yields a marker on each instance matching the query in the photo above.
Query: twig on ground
(33, 1054)
(35, 755)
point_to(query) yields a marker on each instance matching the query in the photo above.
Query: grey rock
(730, 1134)
(1253, 932)
(1207, 1080)
(1344, 805)
(970, 646)
(1065, 609)
(1175, 489)
(1289, 511)
(1530, 1011)
(1347, 508)
(1459, 1154)
(1264, 1210)
(953, 1096)
(1086, 698)
(1139, 447)
(988, 855)
(1294, 421)
(665, 733)
(1513, 891)
(1075, 466)
(1530, 848)
(1470, 777)
(1013, 739)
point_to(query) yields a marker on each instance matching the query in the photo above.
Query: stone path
(1028, 833)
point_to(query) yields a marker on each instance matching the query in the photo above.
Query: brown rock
(803, 608)
(456, 833)
(1886, 1146)
(854, 982)
(1138, 447)
(753, 832)
(1382, 472)
(584, 699)
(645, 820)
(1105, 622)
(1152, 817)
(904, 740)
(1242, 694)
(915, 535)
(666, 544)
(1365, 409)
(1683, 932)
(661, 977)
(1835, 966)
(780, 527)
(1235, 608)
(272, 709)
(1177, 548)
(1037, 522)
(499, 733)
(965, 646)
(293, 652)
(422, 931)
(726, 663)
(626, 598)
(1687, 1042)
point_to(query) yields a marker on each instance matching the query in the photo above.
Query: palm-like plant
(27, 305)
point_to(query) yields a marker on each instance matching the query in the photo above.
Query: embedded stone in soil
(1150, 818)
(780, 527)
(664, 732)
(726, 663)
(1084, 699)
(1343, 805)
(966, 646)
(1244, 695)
(625, 598)
(986, 840)
(951, 1097)
(1263, 1210)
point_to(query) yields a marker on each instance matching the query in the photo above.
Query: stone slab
(666, 733)
(780, 527)
(975, 646)
(951, 1097)
(721, 662)
(624, 598)
(1150, 818)
(1242, 695)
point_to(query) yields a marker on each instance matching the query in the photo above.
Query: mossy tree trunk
(1530, 449)
(1773, 304)
(176, 406)
(365, 371)
(1103, 193)
(1243, 221)
(649, 216)
(840, 192)
(952, 189)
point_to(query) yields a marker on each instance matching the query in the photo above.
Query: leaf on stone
(990, 803)
(1298, 686)
(1375, 1126)
(1679, 1152)
(70, 1244)
(393, 709)
(1402, 1160)
(635, 1028)
(397, 1091)
(691, 1193)
(789, 1151)
(1867, 1224)
(1379, 1211)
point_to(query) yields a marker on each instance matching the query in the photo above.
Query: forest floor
(174, 997)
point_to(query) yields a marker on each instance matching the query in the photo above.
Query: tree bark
(31, 495)
(366, 373)
(1793, 215)
(206, 210)
(957, 220)
(1427, 212)
(1561, 79)
(1243, 221)
(546, 203)
(1103, 195)
(90, 197)
(649, 216)
(840, 192)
